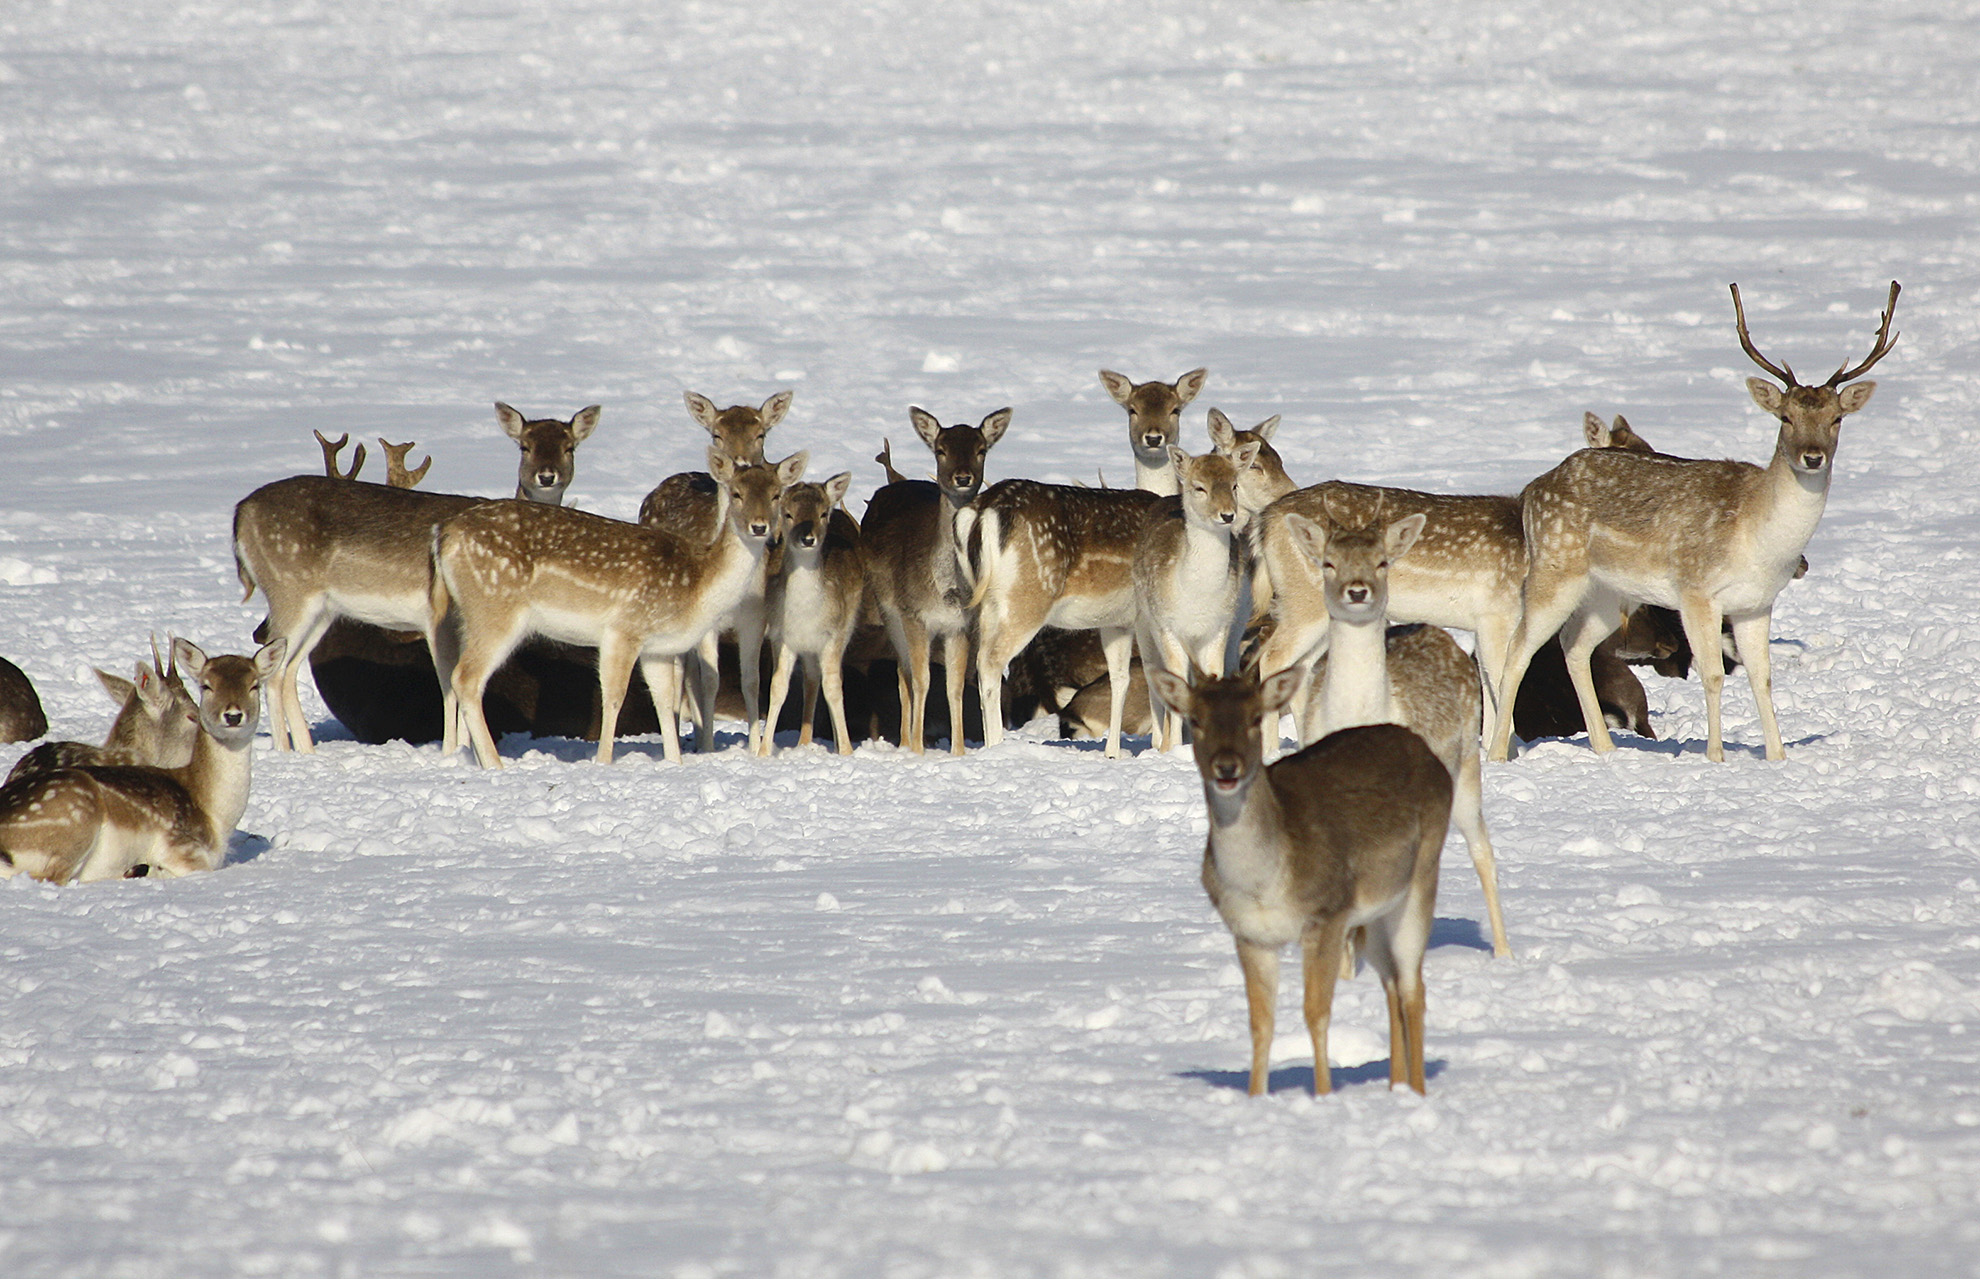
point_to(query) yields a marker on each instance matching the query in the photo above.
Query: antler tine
(157, 662)
(1881, 348)
(331, 448)
(1784, 373)
(396, 473)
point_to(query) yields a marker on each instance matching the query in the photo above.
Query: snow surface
(906, 1017)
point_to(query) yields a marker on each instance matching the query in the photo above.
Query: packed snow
(904, 1016)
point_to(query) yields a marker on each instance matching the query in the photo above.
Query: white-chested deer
(1344, 835)
(156, 725)
(1416, 676)
(1154, 412)
(508, 570)
(321, 548)
(1712, 539)
(1190, 597)
(549, 451)
(109, 822)
(813, 605)
(913, 573)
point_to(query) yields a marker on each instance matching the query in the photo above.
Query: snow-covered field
(906, 1017)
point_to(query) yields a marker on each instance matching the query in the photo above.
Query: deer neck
(1155, 473)
(1790, 505)
(1355, 688)
(1246, 833)
(218, 779)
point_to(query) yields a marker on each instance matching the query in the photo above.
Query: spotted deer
(508, 570)
(813, 605)
(1341, 839)
(1712, 539)
(21, 716)
(157, 722)
(1264, 481)
(1154, 412)
(1416, 676)
(913, 572)
(104, 821)
(320, 548)
(686, 505)
(1190, 597)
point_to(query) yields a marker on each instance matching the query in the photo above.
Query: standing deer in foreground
(1154, 412)
(157, 723)
(1190, 601)
(1712, 539)
(110, 822)
(1416, 676)
(320, 548)
(508, 570)
(813, 605)
(911, 538)
(1345, 835)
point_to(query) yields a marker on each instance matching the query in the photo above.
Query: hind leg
(304, 624)
(1598, 616)
(1322, 949)
(1468, 815)
(1550, 596)
(1750, 636)
(1118, 644)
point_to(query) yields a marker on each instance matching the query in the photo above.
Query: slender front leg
(955, 670)
(663, 683)
(833, 675)
(616, 653)
(1468, 815)
(1700, 615)
(1550, 599)
(705, 670)
(780, 688)
(749, 653)
(1118, 644)
(810, 702)
(1750, 637)
(1261, 994)
(1322, 949)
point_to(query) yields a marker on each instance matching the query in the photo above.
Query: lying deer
(508, 570)
(1713, 539)
(21, 716)
(913, 572)
(1342, 838)
(813, 605)
(1416, 676)
(104, 821)
(157, 723)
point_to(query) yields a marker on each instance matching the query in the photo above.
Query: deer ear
(512, 421)
(1190, 383)
(1856, 395)
(1595, 431)
(926, 424)
(1403, 534)
(268, 659)
(774, 408)
(1766, 395)
(119, 688)
(188, 656)
(1246, 455)
(583, 424)
(1276, 693)
(1266, 428)
(1222, 434)
(721, 465)
(835, 488)
(701, 409)
(1172, 689)
(1117, 386)
(1178, 459)
(994, 426)
(1308, 536)
(791, 469)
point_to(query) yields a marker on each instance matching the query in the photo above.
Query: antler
(885, 457)
(158, 663)
(396, 473)
(1784, 373)
(1885, 341)
(332, 449)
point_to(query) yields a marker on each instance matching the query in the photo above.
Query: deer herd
(1223, 592)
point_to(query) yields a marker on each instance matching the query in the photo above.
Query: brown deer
(1154, 412)
(320, 548)
(112, 821)
(913, 571)
(1716, 540)
(813, 605)
(508, 570)
(1342, 838)
(1416, 675)
(21, 716)
(157, 723)
(549, 451)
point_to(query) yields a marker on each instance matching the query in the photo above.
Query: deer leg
(705, 663)
(306, 629)
(1118, 644)
(749, 653)
(1321, 952)
(1550, 598)
(1591, 624)
(664, 682)
(915, 662)
(1158, 710)
(780, 689)
(444, 646)
(1001, 636)
(1489, 644)
(480, 656)
(832, 673)
(955, 669)
(616, 654)
(812, 678)
(1261, 997)
(1750, 636)
(1700, 615)
(1468, 815)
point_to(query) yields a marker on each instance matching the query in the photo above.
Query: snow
(889, 1015)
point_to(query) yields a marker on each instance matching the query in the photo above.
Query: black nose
(1814, 461)
(961, 480)
(758, 528)
(1228, 517)
(233, 719)
(1356, 594)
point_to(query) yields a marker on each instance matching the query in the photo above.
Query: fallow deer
(21, 716)
(108, 822)
(1713, 539)
(1416, 676)
(1265, 480)
(508, 570)
(1342, 838)
(1190, 601)
(814, 604)
(320, 548)
(549, 451)
(1154, 412)
(913, 574)
(156, 725)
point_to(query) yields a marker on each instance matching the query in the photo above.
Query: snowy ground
(954, 1017)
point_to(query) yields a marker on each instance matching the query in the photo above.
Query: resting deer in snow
(508, 570)
(156, 725)
(686, 505)
(1190, 600)
(320, 548)
(1343, 837)
(21, 716)
(1154, 412)
(1712, 539)
(814, 604)
(114, 821)
(911, 538)
(1416, 676)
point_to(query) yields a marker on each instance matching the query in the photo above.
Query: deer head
(1154, 410)
(959, 450)
(549, 451)
(1811, 416)
(739, 429)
